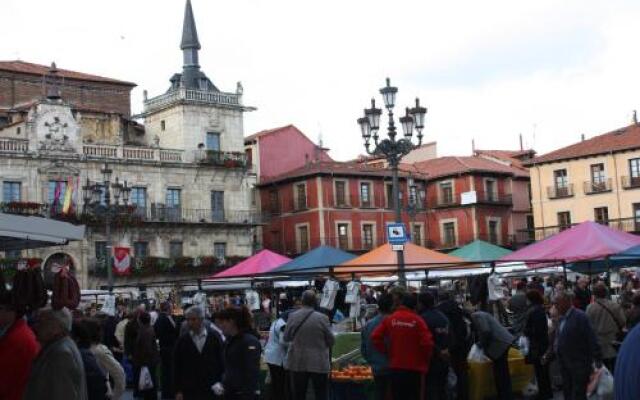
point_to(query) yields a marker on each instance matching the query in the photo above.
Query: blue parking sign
(396, 233)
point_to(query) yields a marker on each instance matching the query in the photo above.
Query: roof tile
(37, 69)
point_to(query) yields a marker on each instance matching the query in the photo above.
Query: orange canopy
(383, 261)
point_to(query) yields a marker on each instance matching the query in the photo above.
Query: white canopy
(20, 232)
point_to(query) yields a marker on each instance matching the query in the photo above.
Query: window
(343, 236)
(490, 188)
(365, 194)
(274, 202)
(561, 183)
(56, 195)
(634, 172)
(494, 231)
(175, 249)
(598, 180)
(601, 215)
(173, 204)
(389, 189)
(367, 236)
(413, 195)
(217, 206)
(416, 234)
(162, 125)
(446, 193)
(141, 249)
(636, 216)
(449, 234)
(101, 250)
(139, 199)
(213, 141)
(220, 251)
(11, 191)
(341, 195)
(303, 238)
(530, 228)
(301, 197)
(13, 254)
(560, 178)
(18, 130)
(564, 220)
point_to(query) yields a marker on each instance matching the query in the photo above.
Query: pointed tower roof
(189, 32)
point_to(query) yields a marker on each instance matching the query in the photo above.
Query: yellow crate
(481, 382)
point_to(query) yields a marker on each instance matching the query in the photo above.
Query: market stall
(19, 232)
(318, 260)
(584, 248)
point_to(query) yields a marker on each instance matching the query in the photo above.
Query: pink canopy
(586, 241)
(261, 262)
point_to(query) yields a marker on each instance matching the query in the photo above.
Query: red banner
(121, 261)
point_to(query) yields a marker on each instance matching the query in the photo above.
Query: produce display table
(481, 383)
(350, 390)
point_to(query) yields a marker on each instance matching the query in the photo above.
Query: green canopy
(480, 250)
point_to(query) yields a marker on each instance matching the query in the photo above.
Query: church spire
(189, 32)
(190, 43)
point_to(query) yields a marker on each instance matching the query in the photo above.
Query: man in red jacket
(18, 348)
(406, 340)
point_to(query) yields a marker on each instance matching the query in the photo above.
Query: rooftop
(42, 70)
(449, 166)
(336, 168)
(627, 138)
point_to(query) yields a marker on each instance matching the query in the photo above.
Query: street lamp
(392, 148)
(97, 198)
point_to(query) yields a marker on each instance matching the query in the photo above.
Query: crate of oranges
(355, 373)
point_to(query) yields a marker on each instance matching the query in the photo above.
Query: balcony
(128, 216)
(630, 182)
(189, 96)
(14, 145)
(595, 187)
(560, 192)
(444, 201)
(494, 198)
(226, 159)
(524, 236)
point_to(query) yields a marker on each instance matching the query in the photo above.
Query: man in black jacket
(459, 341)
(167, 334)
(198, 359)
(576, 346)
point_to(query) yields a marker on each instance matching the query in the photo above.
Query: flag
(66, 206)
(56, 196)
(121, 261)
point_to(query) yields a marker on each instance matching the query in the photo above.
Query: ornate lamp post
(97, 199)
(392, 148)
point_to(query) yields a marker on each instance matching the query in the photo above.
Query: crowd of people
(417, 344)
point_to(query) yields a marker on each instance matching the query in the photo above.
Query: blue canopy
(627, 258)
(319, 259)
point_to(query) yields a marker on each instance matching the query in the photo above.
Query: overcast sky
(488, 70)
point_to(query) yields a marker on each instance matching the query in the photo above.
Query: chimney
(582, 137)
(473, 147)
(521, 145)
(635, 117)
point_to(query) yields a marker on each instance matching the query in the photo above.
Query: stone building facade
(191, 197)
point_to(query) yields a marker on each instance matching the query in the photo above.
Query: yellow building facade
(593, 180)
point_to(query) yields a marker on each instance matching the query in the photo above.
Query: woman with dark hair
(536, 330)
(105, 359)
(241, 355)
(145, 354)
(95, 377)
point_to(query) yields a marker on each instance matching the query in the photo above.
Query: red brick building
(479, 197)
(22, 82)
(345, 205)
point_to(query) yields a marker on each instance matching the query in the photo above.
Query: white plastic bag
(452, 380)
(601, 385)
(145, 382)
(523, 345)
(477, 355)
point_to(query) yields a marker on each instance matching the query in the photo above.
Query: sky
(487, 70)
